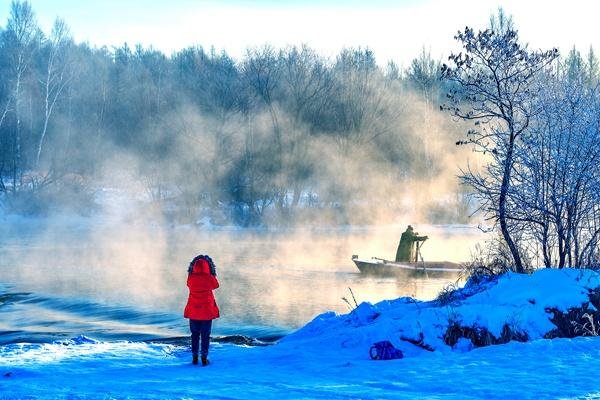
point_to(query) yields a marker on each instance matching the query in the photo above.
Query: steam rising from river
(129, 251)
(271, 278)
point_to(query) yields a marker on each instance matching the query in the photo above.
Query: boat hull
(381, 266)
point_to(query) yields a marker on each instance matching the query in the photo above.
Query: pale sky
(393, 29)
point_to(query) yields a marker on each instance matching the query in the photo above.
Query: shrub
(577, 321)
(481, 336)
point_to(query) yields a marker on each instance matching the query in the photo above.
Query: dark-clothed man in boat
(408, 248)
(408, 258)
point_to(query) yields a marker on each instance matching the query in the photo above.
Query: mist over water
(128, 281)
(147, 145)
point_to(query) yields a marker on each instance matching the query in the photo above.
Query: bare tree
(424, 76)
(363, 105)
(21, 36)
(261, 71)
(306, 83)
(493, 81)
(5, 112)
(424, 73)
(557, 185)
(261, 74)
(58, 74)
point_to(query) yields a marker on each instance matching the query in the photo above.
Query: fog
(132, 245)
(269, 277)
(280, 165)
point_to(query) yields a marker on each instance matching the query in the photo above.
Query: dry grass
(481, 336)
(577, 321)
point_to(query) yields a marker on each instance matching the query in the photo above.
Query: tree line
(272, 131)
(265, 138)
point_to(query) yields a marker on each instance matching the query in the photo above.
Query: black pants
(200, 329)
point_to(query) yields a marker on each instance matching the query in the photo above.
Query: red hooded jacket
(201, 302)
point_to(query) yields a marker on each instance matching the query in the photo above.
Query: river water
(127, 282)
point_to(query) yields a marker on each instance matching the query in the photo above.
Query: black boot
(195, 359)
(205, 361)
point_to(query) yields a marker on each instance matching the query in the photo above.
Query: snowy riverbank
(328, 358)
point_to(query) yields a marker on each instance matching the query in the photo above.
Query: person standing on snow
(201, 307)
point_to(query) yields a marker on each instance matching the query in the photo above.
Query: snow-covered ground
(543, 369)
(328, 358)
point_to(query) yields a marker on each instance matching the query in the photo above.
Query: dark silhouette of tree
(494, 77)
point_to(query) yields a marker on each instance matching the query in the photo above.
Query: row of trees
(537, 119)
(285, 127)
(275, 129)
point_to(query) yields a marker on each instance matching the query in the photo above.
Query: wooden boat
(376, 265)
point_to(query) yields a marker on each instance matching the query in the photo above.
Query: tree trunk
(502, 209)
(561, 243)
(546, 245)
(17, 137)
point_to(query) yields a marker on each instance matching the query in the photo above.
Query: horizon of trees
(286, 135)
(276, 129)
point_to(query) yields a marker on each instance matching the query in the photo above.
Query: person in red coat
(201, 307)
